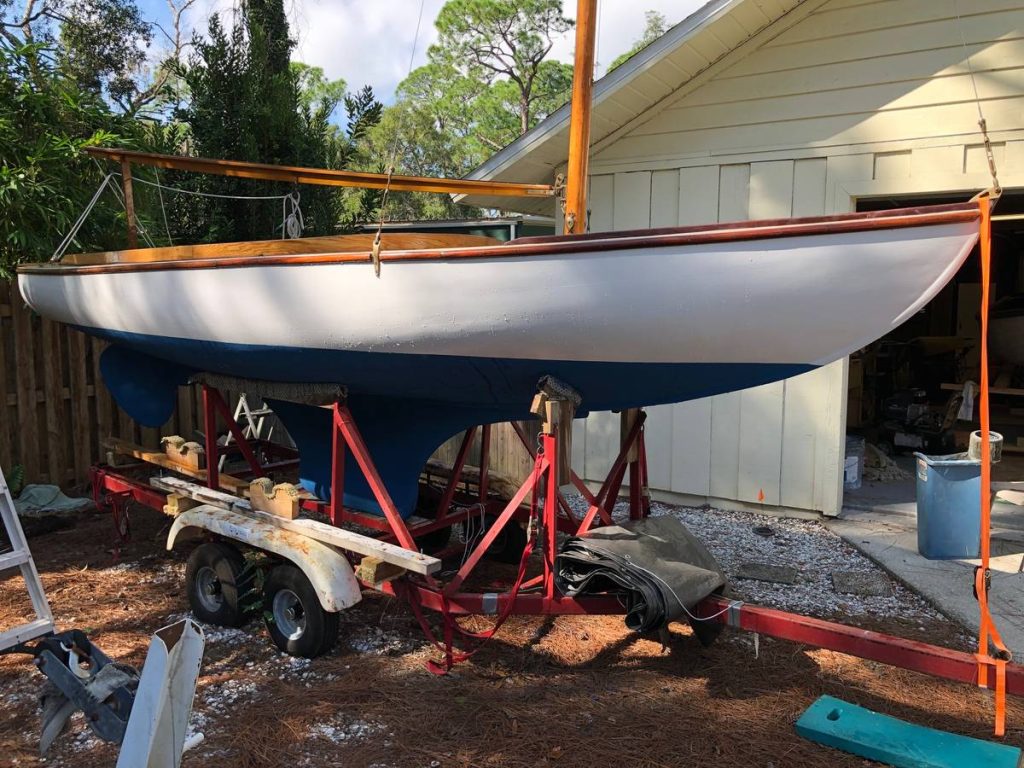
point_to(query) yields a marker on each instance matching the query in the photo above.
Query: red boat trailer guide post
(115, 487)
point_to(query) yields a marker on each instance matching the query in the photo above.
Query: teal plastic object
(839, 724)
(948, 507)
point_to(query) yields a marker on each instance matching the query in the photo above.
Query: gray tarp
(47, 499)
(655, 565)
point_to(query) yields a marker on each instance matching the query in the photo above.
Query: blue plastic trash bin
(948, 507)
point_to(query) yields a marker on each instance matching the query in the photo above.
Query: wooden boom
(321, 176)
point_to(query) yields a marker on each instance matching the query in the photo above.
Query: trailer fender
(326, 567)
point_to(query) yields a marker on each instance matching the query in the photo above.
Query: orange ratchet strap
(987, 632)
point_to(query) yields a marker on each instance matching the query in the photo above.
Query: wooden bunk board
(161, 459)
(322, 532)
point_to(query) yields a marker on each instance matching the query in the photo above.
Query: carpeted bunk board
(656, 566)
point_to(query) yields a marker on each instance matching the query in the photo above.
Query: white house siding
(838, 100)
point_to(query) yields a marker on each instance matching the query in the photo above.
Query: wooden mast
(579, 121)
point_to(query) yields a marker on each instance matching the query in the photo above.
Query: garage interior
(915, 389)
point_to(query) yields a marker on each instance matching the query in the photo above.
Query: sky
(370, 41)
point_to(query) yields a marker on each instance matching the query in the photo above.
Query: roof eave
(619, 77)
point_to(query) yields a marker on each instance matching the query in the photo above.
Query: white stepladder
(20, 557)
(149, 722)
(252, 420)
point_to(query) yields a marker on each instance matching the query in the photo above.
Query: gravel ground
(371, 703)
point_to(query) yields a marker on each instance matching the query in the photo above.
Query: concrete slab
(776, 574)
(891, 541)
(865, 583)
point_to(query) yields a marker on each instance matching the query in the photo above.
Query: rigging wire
(139, 226)
(982, 122)
(163, 209)
(375, 253)
(292, 223)
(70, 236)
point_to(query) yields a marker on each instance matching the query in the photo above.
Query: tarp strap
(450, 625)
(988, 634)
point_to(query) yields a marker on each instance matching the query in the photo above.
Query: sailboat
(432, 334)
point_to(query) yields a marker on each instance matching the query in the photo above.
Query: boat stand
(539, 505)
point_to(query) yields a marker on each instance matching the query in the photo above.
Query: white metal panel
(761, 408)
(892, 165)
(734, 192)
(632, 206)
(658, 438)
(1013, 157)
(691, 447)
(698, 195)
(602, 444)
(886, 113)
(579, 447)
(803, 418)
(809, 187)
(771, 190)
(664, 198)
(936, 162)
(760, 446)
(976, 159)
(725, 446)
(658, 429)
(842, 169)
(602, 198)
(830, 449)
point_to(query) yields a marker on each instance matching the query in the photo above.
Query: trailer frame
(540, 505)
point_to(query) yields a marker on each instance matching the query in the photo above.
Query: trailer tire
(435, 541)
(296, 621)
(507, 547)
(217, 581)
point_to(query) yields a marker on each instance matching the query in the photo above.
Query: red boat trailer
(540, 505)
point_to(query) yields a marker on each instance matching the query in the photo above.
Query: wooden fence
(57, 412)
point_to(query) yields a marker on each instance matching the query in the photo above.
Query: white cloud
(370, 41)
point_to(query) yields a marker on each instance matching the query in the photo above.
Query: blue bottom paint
(405, 404)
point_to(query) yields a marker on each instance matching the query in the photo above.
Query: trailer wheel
(433, 542)
(508, 546)
(217, 580)
(297, 623)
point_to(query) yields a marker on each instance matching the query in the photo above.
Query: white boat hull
(449, 338)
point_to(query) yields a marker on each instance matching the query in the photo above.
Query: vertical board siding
(658, 430)
(725, 446)
(632, 202)
(734, 193)
(698, 195)
(809, 187)
(771, 190)
(760, 446)
(691, 448)
(602, 194)
(664, 198)
(825, 95)
(770, 196)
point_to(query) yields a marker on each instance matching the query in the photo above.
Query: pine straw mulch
(568, 691)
